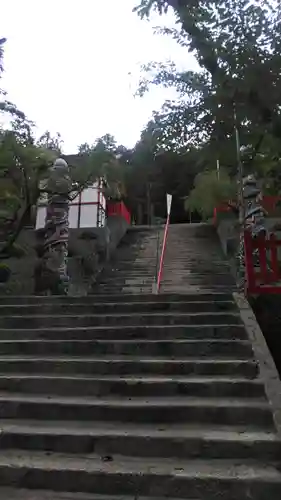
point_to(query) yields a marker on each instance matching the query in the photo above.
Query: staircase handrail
(160, 270)
(157, 254)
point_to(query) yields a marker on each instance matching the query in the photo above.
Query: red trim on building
(118, 209)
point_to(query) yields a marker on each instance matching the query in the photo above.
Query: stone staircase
(135, 396)
(194, 260)
(134, 266)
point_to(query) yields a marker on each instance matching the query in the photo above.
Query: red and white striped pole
(160, 272)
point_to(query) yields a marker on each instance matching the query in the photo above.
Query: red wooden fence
(267, 277)
(118, 209)
(269, 203)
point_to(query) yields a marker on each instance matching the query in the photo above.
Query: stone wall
(21, 281)
(89, 250)
(267, 308)
(228, 232)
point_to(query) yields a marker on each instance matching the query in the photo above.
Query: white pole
(218, 169)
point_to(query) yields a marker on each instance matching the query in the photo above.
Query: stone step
(192, 261)
(139, 347)
(187, 479)
(135, 263)
(177, 286)
(31, 494)
(138, 285)
(213, 267)
(133, 386)
(222, 281)
(160, 332)
(92, 299)
(224, 411)
(133, 365)
(132, 270)
(165, 441)
(129, 270)
(129, 393)
(119, 276)
(133, 319)
(118, 284)
(137, 289)
(215, 264)
(112, 307)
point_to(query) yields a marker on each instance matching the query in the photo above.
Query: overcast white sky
(72, 66)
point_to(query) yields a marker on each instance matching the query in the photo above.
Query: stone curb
(267, 368)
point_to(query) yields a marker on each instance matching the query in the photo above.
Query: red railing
(224, 208)
(118, 209)
(260, 280)
(269, 203)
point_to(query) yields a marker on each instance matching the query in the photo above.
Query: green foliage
(48, 142)
(103, 159)
(237, 45)
(23, 164)
(156, 166)
(2, 41)
(7, 106)
(210, 190)
(145, 7)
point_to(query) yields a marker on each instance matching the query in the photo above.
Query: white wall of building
(87, 209)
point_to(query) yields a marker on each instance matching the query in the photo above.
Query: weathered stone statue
(51, 275)
(254, 220)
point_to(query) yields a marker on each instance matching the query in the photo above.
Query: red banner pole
(160, 272)
(162, 255)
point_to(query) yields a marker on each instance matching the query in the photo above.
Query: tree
(2, 41)
(51, 143)
(237, 44)
(210, 190)
(156, 167)
(5, 105)
(102, 159)
(23, 164)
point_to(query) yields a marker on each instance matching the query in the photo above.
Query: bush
(210, 191)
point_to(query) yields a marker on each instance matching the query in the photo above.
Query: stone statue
(254, 220)
(51, 275)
